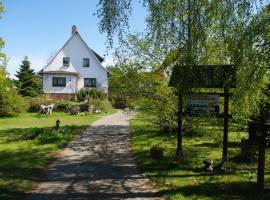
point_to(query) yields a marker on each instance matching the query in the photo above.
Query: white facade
(70, 87)
(76, 50)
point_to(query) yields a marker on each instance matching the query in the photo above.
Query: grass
(28, 143)
(186, 180)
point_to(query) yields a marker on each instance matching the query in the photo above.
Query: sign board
(202, 105)
(203, 76)
(258, 133)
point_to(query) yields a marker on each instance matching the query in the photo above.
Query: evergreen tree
(29, 83)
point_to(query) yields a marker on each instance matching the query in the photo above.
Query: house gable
(74, 52)
(76, 49)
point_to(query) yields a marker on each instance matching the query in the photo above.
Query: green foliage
(103, 105)
(74, 109)
(47, 136)
(63, 106)
(35, 102)
(251, 54)
(106, 106)
(118, 12)
(128, 82)
(93, 93)
(10, 102)
(29, 83)
(201, 32)
(162, 106)
(263, 113)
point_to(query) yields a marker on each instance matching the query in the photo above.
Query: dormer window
(66, 61)
(86, 62)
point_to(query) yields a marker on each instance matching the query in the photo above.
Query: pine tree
(29, 83)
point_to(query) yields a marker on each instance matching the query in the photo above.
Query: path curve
(97, 164)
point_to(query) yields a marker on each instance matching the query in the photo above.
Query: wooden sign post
(225, 128)
(258, 132)
(203, 76)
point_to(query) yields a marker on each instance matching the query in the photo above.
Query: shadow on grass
(22, 161)
(187, 178)
(19, 169)
(218, 191)
(216, 145)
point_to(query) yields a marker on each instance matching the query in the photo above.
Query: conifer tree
(29, 83)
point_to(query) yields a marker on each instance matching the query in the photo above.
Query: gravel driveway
(97, 164)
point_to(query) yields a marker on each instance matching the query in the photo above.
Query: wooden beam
(261, 166)
(179, 149)
(225, 129)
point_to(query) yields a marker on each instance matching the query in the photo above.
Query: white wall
(70, 84)
(77, 50)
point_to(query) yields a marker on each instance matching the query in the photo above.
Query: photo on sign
(202, 105)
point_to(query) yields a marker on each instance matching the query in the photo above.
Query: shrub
(11, 103)
(75, 109)
(162, 106)
(119, 102)
(106, 106)
(63, 106)
(96, 103)
(92, 93)
(34, 103)
(84, 107)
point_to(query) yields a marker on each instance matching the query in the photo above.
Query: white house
(74, 67)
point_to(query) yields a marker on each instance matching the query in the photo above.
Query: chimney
(73, 29)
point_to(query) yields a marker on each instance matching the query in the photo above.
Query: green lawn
(186, 180)
(28, 143)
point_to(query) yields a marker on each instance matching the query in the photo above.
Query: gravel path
(97, 164)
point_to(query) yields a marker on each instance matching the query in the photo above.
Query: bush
(97, 104)
(11, 103)
(63, 106)
(106, 106)
(34, 103)
(92, 93)
(84, 107)
(120, 102)
(75, 109)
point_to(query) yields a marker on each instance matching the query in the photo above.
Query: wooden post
(261, 166)
(225, 130)
(179, 150)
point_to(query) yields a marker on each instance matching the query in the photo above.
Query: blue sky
(39, 28)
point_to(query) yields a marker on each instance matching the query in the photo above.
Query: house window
(90, 82)
(66, 61)
(86, 62)
(59, 81)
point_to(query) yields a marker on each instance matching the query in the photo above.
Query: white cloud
(37, 63)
